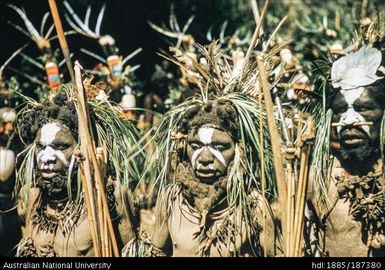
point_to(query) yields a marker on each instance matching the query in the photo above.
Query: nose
(48, 156)
(206, 157)
(350, 117)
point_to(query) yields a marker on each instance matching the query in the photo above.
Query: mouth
(48, 174)
(352, 141)
(205, 173)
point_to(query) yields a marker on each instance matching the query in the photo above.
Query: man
(213, 208)
(352, 218)
(52, 203)
(193, 215)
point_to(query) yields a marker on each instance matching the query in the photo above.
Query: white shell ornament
(7, 163)
(357, 69)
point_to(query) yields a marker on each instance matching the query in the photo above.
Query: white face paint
(48, 134)
(205, 137)
(351, 116)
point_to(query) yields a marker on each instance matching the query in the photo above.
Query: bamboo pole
(262, 160)
(87, 183)
(275, 142)
(302, 195)
(303, 182)
(304, 143)
(90, 205)
(288, 211)
(300, 192)
(83, 117)
(91, 155)
(101, 218)
(293, 208)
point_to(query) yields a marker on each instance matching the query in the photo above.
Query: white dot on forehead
(353, 94)
(48, 132)
(205, 135)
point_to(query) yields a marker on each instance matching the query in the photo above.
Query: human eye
(339, 109)
(220, 147)
(61, 146)
(39, 145)
(363, 108)
(195, 145)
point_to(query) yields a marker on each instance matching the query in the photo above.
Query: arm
(124, 217)
(161, 237)
(26, 204)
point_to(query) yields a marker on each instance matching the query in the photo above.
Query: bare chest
(189, 239)
(77, 242)
(344, 234)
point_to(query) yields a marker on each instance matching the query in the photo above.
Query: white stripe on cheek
(195, 156)
(60, 155)
(49, 154)
(218, 155)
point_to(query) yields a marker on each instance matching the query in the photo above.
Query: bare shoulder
(123, 198)
(166, 198)
(27, 197)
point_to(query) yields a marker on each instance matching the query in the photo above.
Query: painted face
(55, 145)
(210, 152)
(351, 140)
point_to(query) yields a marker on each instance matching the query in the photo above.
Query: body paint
(350, 116)
(205, 137)
(48, 135)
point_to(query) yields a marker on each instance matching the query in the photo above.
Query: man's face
(351, 140)
(210, 152)
(55, 145)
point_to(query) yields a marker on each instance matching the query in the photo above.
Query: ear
(182, 149)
